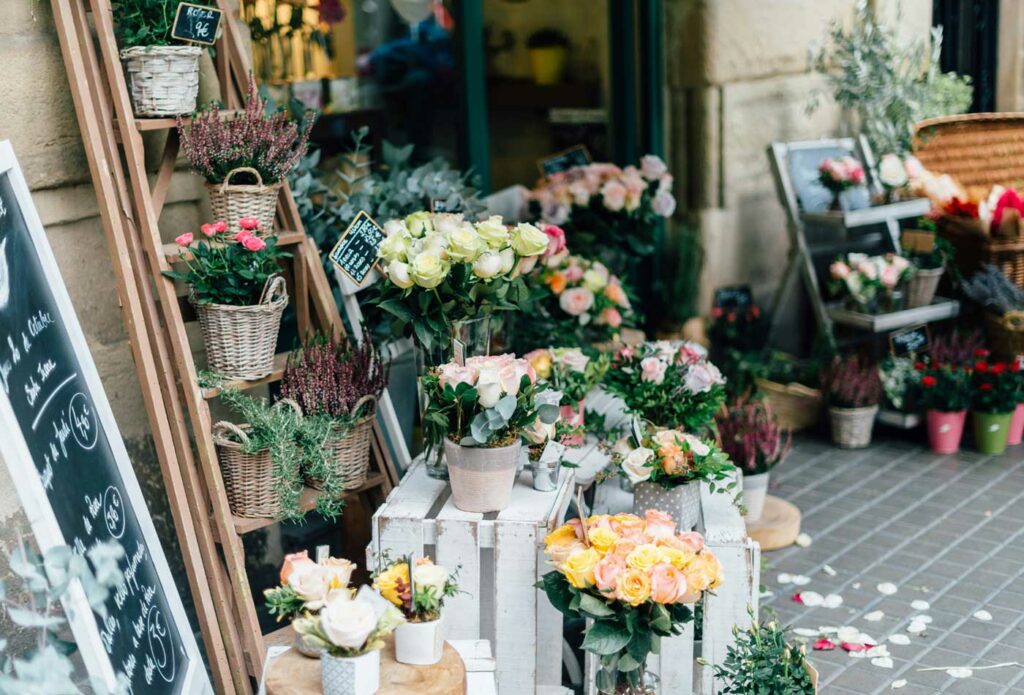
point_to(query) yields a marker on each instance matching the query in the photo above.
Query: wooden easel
(178, 407)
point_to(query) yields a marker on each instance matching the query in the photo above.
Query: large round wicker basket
(163, 80)
(794, 405)
(1005, 333)
(241, 340)
(231, 202)
(351, 451)
(248, 478)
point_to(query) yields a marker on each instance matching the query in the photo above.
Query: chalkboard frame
(559, 155)
(375, 266)
(16, 457)
(216, 32)
(908, 329)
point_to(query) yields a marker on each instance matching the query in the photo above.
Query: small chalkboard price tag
(910, 341)
(355, 254)
(441, 205)
(734, 297)
(577, 156)
(196, 24)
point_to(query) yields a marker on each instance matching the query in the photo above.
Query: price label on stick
(577, 156)
(914, 340)
(196, 24)
(355, 254)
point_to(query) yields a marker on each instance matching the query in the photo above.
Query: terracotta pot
(945, 430)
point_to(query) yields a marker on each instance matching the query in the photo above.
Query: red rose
(981, 366)
(1015, 367)
(919, 366)
(928, 381)
(998, 368)
(716, 312)
(985, 387)
(981, 352)
(755, 311)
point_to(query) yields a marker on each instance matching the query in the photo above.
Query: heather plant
(852, 382)
(752, 438)
(957, 347)
(272, 144)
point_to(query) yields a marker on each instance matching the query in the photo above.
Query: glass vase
(471, 338)
(612, 681)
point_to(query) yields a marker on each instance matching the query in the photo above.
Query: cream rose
(398, 273)
(430, 578)
(347, 623)
(419, 224)
(527, 240)
(594, 280)
(428, 270)
(891, 171)
(464, 244)
(395, 246)
(487, 265)
(493, 232)
(635, 465)
(312, 583)
(508, 260)
(488, 387)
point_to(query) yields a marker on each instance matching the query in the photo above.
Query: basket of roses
(420, 596)
(994, 398)
(944, 391)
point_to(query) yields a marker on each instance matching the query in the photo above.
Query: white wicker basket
(163, 80)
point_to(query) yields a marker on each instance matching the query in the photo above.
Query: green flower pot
(990, 432)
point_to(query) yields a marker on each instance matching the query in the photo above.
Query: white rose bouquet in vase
(478, 412)
(420, 597)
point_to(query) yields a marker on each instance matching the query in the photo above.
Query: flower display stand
(501, 557)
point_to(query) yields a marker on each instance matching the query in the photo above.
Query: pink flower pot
(945, 430)
(1016, 426)
(573, 415)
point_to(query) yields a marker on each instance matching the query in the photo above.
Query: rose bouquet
(306, 585)
(838, 174)
(671, 384)
(636, 579)
(608, 211)
(871, 283)
(573, 373)
(420, 597)
(440, 270)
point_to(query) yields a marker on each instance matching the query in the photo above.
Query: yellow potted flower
(420, 597)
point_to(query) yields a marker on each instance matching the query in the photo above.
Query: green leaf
(559, 593)
(605, 637)
(594, 607)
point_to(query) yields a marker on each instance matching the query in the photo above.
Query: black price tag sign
(734, 297)
(196, 24)
(577, 156)
(910, 341)
(356, 251)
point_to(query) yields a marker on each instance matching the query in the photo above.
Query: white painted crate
(501, 559)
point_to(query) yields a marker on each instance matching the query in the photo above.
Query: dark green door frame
(623, 77)
(471, 64)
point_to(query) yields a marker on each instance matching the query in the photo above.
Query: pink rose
(613, 195)
(249, 223)
(293, 560)
(208, 229)
(556, 239)
(839, 270)
(452, 375)
(573, 273)
(692, 540)
(652, 167)
(659, 525)
(254, 243)
(668, 585)
(663, 204)
(701, 377)
(576, 301)
(220, 227)
(607, 570)
(610, 316)
(890, 276)
(652, 369)
(242, 236)
(184, 239)
(524, 266)
(688, 354)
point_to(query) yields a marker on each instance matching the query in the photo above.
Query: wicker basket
(241, 340)
(795, 406)
(852, 427)
(1005, 334)
(351, 452)
(231, 202)
(163, 80)
(922, 287)
(248, 478)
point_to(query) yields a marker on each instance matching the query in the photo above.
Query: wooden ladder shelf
(131, 199)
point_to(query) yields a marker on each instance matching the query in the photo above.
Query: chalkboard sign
(910, 341)
(442, 205)
(811, 195)
(577, 156)
(734, 297)
(355, 254)
(196, 24)
(70, 467)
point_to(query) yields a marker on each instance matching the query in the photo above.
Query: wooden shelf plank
(287, 238)
(876, 214)
(939, 309)
(280, 360)
(307, 502)
(165, 123)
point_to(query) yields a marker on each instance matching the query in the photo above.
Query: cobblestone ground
(948, 530)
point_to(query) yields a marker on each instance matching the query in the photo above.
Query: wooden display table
(292, 673)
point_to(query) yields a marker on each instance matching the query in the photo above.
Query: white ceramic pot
(682, 502)
(481, 478)
(755, 489)
(420, 644)
(358, 675)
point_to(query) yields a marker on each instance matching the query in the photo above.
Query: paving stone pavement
(948, 530)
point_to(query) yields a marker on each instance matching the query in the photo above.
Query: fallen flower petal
(800, 580)
(916, 628)
(887, 588)
(874, 616)
(848, 633)
(824, 645)
(920, 605)
(901, 683)
(960, 672)
(803, 540)
(832, 601)
(811, 598)
(785, 578)
(882, 662)
(854, 647)
(899, 639)
(806, 632)
(827, 569)
(797, 597)
(983, 615)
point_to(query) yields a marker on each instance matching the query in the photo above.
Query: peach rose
(668, 584)
(607, 571)
(628, 526)
(573, 273)
(615, 293)
(291, 560)
(659, 525)
(624, 546)
(691, 540)
(609, 316)
(633, 587)
(576, 301)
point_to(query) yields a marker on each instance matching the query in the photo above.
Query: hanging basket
(163, 80)
(248, 478)
(231, 202)
(1005, 333)
(351, 451)
(241, 340)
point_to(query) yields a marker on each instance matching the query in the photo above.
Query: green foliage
(146, 22)
(943, 387)
(761, 662)
(888, 84)
(283, 602)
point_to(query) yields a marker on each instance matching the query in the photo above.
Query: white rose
(464, 244)
(418, 223)
(312, 583)
(538, 432)
(635, 465)
(347, 623)
(594, 280)
(430, 578)
(508, 260)
(393, 227)
(698, 447)
(891, 171)
(398, 273)
(428, 270)
(487, 265)
(395, 246)
(488, 387)
(446, 223)
(493, 231)
(527, 240)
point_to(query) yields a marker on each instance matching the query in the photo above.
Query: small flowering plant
(569, 370)
(869, 281)
(944, 387)
(672, 384)
(347, 627)
(752, 438)
(488, 402)
(852, 382)
(635, 577)
(421, 597)
(306, 585)
(671, 458)
(441, 268)
(840, 173)
(226, 268)
(995, 385)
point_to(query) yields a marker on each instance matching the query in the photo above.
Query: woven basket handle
(291, 404)
(276, 290)
(222, 429)
(368, 398)
(1013, 320)
(241, 170)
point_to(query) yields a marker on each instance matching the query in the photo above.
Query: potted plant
(478, 411)
(790, 387)
(420, 639)
(929, 267)
(634, 579)
(304, 589)
(338, 381)
(853, 389)
(945, 395)
(995, 393)
(838, 174)
(1016, 432)
(666, 468)
(669, 383)
(761, 660)
(573, 373)
(900, 380)
(163, 76)
(349, 632)
(262, 461)
(245, 158)
(754, 442)
(1003, 303)
(871, 284)
(233, 283)
(549, 51)
(545, 449)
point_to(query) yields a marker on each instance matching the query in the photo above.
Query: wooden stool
(778, 526)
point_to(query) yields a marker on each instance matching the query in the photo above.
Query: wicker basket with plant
(854, 389)
(1004, 310)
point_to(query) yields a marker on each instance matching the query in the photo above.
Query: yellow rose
(427, 269)
(578, 568)
(540, 360)
(419, 223)
(392, 581)
(494, 232)
(602, 539)
(560, 536)
(594, 281)
(527, 240)
(680, 559)
(644, 557)
(633, 587)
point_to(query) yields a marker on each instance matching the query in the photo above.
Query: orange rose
(615, 293)
(668, 584)
(556, 282)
